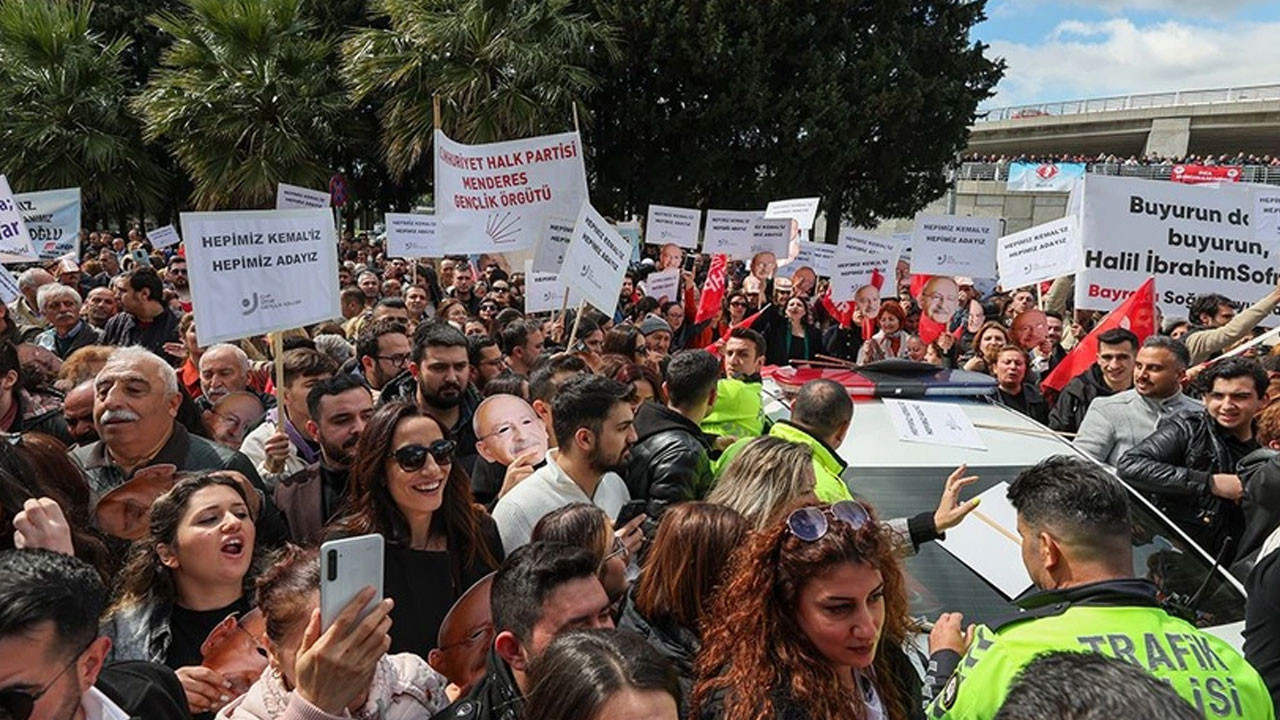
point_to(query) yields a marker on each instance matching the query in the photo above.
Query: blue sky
(1069, 49)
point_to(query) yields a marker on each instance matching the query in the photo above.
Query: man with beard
(383, 350)
(146, 320)
(594, 430)
(99, 307)
(464, 282)
(339, 407)
(176, 274)
(77, 412)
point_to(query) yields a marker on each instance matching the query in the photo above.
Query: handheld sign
(729, 233)
(8, 287)
(802, 210)
(771, 236)
(1041, 253)
(596, 260)
(548, 255)
(260, 271)
(950, 245)
(816, 256)
(543, 291)
(663, 285)
(52, 218)
(666, 225)
(163, 237)
(860, 257)
(15, 242)
(1266, 215)
(289, 197)
(411, 235)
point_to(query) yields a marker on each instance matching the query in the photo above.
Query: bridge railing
(1265, 174)
(1132, 102)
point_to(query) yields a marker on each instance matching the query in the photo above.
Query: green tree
(65, 121)
(502, 68)
(246, 97)
(730, 104)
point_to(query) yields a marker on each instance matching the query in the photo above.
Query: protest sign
(672, 225)
(291, 197)
(802, 210)
(1041, 253)
(771, 236)
(496, 197)
(8, 287)
(729, 233)
(950, 245)
(1266, 214)
(548, 254)
(985, 541)
(52, 218)
(595, 261)
(260, 271)
(543, 291)
(933, 423)
(816, 256)
(1193, 240)
(1044, 177)
(663, 285)
(161, 238)
(411, 235)
(1198, 174)
(860, 256)
(15, 242)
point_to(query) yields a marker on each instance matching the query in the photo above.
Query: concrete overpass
(1200, 122)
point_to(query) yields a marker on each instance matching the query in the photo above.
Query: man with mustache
(60, 306)
(439, 382)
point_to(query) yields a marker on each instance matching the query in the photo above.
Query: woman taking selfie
(406, 486)
(190, 572)
(810, 625)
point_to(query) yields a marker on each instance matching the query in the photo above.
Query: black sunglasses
(17, 705)
(411, 458)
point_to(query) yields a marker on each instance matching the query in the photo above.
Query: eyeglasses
(810, 523)
(398, 359)
(737, 303)
(619, 548)
(488, 308)
(411, 458)
(17, 705)
(501, 288)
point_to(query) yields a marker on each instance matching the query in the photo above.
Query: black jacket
(1173, 468)
(678, 644)
(1073, 402)
(1029, 402)
(124, 329)
(144, 690)
(669, 462)
(1260, 473)
(1262, 622)
(495, 697)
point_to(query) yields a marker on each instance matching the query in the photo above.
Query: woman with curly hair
(810, 625)
(986, 346)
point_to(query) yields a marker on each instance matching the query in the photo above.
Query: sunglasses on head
(810, 524)
(411, 458)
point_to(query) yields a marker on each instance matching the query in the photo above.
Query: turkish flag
(1137, 315)
(713, 291)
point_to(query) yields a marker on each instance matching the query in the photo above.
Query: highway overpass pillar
(1169, 137)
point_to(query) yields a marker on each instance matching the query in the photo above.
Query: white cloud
(1115, 57)
(1178, 8)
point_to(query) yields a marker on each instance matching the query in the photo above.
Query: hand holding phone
(347, 567)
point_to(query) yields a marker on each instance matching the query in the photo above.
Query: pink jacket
(404, 688)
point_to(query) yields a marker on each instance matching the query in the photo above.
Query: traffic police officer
(1076, 545)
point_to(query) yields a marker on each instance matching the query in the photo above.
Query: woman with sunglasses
(337, 671)
(626, 340)
(823, 591)
(194, 568)
(406, 486)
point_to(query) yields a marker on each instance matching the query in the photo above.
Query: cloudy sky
(1070, 49)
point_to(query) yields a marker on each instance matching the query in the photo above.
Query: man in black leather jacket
(669, 462)
(542, 589)
(1187, 467)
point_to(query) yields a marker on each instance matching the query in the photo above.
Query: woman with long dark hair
(795, 337)
(601, 675)
(627, 341)
(810, 624)
(406, 486)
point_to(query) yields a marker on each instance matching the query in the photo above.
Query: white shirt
(98, 706)
(550, 488)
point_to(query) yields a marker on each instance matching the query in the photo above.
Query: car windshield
(938, 582)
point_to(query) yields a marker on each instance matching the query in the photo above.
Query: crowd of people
(591, 516)
(1240, 159)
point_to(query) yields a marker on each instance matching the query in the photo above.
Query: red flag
(1137, 315)
(746, 321)
(713, 291)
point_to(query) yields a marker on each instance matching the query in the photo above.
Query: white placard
(495, 198)
(260, 271)
(729, 233)
(52, 218)
(950, 245)
(1266, 215)
(802, 210)
(1041, 253)
(664, 284)
(8, 287)
(770, 235)
(859, 257)
(596, 260)
(988, 542)
(543, 291)
(548, 255)
(163, 237)
(1192, 239)
(292, 197)
(933, 423)
(672, 225)
(411, 235)
(15, 243)
(819, 257)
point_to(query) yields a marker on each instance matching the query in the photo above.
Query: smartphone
(689, 259)
(141, 257)
(348, 566)
(630, 511)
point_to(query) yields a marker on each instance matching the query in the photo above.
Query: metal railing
(1132, 102)
(1265, 174)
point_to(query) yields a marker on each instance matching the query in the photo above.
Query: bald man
(671, 257)
(939, 299)
(511, 440)
(1030, 328)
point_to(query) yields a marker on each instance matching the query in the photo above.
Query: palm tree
(503, 69)
(65, 119)
(246, 97)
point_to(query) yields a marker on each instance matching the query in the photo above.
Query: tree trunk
(835, 208)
